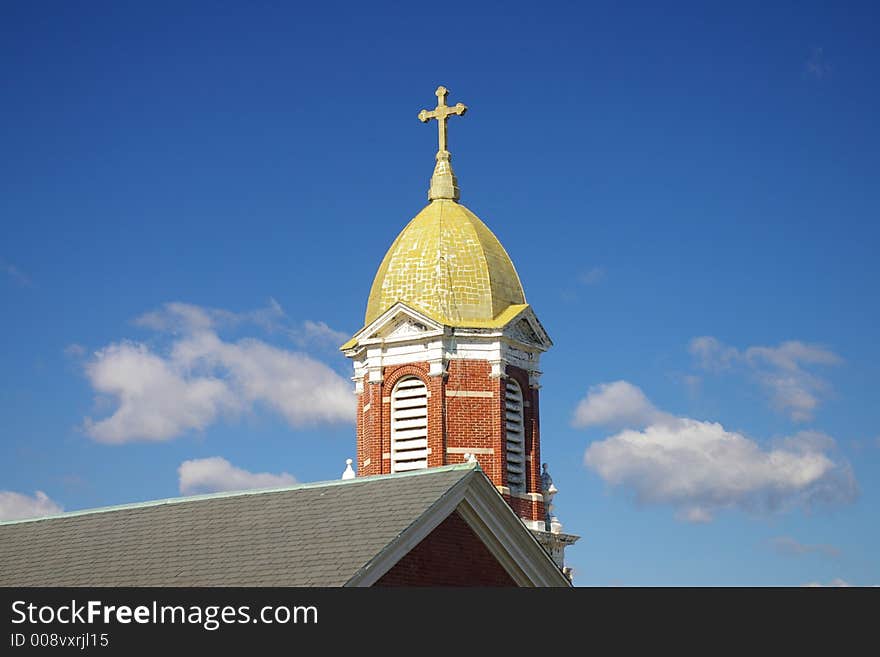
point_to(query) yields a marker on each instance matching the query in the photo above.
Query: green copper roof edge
(258, 491)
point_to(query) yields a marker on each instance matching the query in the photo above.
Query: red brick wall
(370, 430)
(451, 555)
(474, 422)
(455, 421)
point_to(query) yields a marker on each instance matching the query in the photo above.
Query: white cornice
(383, 332)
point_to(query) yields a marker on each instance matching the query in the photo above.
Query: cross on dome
(442, 113)
(443, 183)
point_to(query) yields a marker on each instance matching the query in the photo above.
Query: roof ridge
(240, 493)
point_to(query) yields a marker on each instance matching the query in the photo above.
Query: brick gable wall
(451, 555)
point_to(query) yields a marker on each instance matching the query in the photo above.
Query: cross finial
(443, 182)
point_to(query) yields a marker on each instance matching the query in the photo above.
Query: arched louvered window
(409, 425)
(516, 437)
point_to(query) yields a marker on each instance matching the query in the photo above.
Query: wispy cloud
(74, 350)
(318, 332)
(790, 547)
(816, 65)
(15, 274)
(580, 280)
(177, 317)
(215, 474)
(592, 277)
(784, 372)
(836, 583)
(201, 378)
(15, 506)
(700, 468)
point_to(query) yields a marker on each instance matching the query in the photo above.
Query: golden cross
(442, 113)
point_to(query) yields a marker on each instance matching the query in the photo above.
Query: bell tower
(447, 364)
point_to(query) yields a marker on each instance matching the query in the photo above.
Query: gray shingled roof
(310, 535)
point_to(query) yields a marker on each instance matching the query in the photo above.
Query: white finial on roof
(549, 490)
(349, 471)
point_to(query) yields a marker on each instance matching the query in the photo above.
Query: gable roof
(332, 533)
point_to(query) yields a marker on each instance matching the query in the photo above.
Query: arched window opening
(409, 425)
(516, 457)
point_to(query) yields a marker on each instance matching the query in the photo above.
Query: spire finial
(349, 471)
(443, 183)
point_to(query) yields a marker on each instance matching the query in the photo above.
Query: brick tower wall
(466, 412)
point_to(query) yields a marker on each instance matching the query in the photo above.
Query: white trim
(470, 450)
(532, 497)
(503, 534)
(470, 393)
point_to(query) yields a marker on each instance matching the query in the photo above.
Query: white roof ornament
(349, 471)
(549, 490)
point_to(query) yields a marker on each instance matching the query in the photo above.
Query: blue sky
(690, 196)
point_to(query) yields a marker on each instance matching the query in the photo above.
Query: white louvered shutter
(409, 425)
(516, 457)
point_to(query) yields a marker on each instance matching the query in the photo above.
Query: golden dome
(447, 264)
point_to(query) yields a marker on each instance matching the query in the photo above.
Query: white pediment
(399, 323)
(527, 330)
(405, 327)
(522, 331)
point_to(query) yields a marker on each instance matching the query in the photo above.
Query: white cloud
(593, 276)
(17, 275)
(836, 582)
(15, 506)
(616, 404)
(74, 350)
(790, 547)
(157, 398)
(203, 378)
(319, 331)
(182, 318)
(816, 65)
(780, 370)
(215, 474)
(176, 317)
(712, 354)
(699, 467)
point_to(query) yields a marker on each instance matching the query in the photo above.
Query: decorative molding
(531, 497)
(499, 369)
(405, 328)
(470, 450)
(522, 331)
(470, 393)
